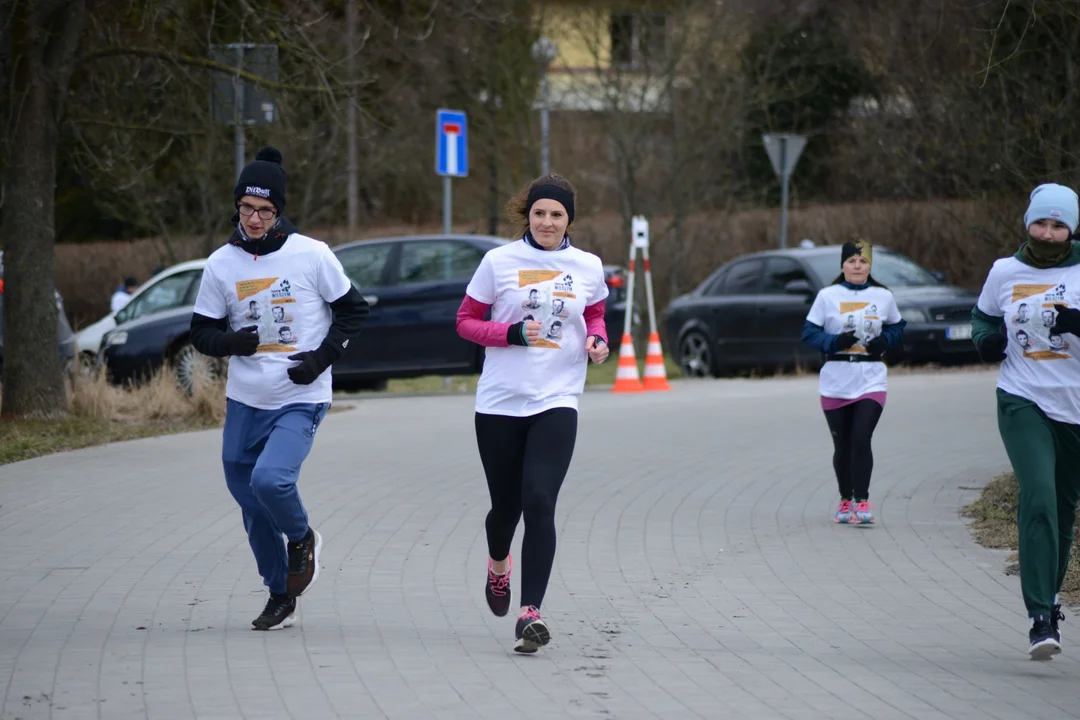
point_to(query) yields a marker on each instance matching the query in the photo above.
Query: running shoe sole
(1045, 650)
(287, 622)
(533, 637)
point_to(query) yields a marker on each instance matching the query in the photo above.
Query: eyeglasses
(264, 213)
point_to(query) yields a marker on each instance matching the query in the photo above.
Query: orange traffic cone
(626, 377)
(655, 374)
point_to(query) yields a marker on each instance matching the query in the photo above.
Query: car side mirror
(939, 276)
(798, 287)
(122, 317)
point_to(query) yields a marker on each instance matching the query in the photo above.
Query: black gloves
(877, 346)
(843, 342)
(1068, 321)
(313, 363)
(992, 347)
(515, 334)
(241, 342)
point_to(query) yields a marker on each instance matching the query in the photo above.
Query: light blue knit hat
(1053, 202)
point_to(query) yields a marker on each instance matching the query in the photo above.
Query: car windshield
(891, 269)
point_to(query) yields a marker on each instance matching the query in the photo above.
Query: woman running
(1033, 297)
(853, 321)
(527, 397)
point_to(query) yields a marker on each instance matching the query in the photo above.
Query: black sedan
(750, 312)
(414, 286)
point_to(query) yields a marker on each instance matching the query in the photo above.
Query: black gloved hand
(312, 365)
(843, 342)
(1068, 321)
(992, 347)
(877, 346)
(244, 341)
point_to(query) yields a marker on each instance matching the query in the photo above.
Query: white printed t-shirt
(1038, 366)
(552, 287)
(839, 309)
(285, 294)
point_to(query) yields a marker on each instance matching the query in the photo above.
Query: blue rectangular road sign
(451, 143)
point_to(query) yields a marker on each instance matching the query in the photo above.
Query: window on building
(638, 40)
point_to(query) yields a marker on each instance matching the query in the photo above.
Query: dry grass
(994, 526)
(101, 413)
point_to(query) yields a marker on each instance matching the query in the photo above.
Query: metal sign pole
(447, 199)
(785, 176)
(238, 104)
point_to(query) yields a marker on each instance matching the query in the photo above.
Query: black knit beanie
(263, 178)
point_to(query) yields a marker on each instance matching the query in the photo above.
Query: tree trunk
(44, 41)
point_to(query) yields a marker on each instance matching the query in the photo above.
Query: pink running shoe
(497, 589)
(844, 512)
(863, 513)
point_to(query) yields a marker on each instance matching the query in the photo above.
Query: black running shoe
(303, 563)
(531, 631)
(1043, 643)
(279, 613)
(1056, 616)
(497, 589)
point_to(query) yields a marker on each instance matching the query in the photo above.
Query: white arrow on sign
(784, 151)
(452, 131)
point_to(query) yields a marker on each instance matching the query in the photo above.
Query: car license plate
(958, 332)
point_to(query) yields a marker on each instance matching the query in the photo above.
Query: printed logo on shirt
(1032, 318)
(247, 288)
(535, 277)
(859, 318)
(275, 327)
(546, 304)
(1022, 291)
(282, 291)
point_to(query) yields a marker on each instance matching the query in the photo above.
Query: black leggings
(852, 427)
(525, 460)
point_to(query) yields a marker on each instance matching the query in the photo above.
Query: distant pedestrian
(275, 400)
(527, 397)
(1038, 396)
(122, 295)
(853, 322)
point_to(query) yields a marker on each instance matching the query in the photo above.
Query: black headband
(551, 192)
(856, 247)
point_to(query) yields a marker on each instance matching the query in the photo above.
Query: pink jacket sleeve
(472, 326)
(594, 320)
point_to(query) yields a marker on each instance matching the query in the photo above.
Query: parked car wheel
(191, 366)
(696, 355)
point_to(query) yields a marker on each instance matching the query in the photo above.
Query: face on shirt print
(1023, 314)
(849, 324)
(533, 301)
(254, 311)
(1030, 317)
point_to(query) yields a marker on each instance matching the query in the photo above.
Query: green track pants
(1045, 455)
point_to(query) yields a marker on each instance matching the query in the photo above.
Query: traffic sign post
(784, 151)
(238, 101)
(451, 154)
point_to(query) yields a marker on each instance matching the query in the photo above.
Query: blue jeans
(262, 451)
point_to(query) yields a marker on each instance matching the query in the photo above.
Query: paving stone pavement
(698, 573)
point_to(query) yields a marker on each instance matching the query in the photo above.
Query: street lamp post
(544, 52)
